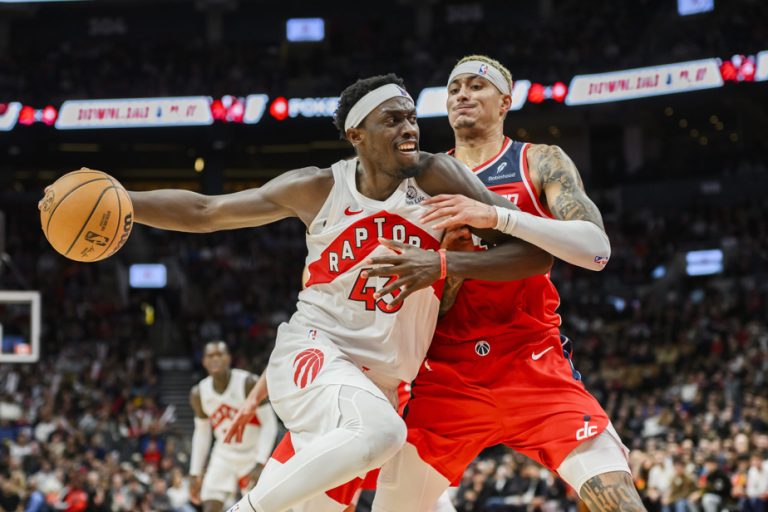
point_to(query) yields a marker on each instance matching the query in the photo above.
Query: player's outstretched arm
(292, 194)
(256, 393)
(581, 240)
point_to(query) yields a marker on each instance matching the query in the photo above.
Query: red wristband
(443, 264)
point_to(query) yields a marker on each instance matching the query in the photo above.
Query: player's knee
(374, 421)
(387, 437)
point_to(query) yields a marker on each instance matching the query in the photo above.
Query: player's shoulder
(539, 149)
(436, 165)
(427, 159)
(311, 175)
(244, 373)
(550, 164)
(538, 153)
(298, 186)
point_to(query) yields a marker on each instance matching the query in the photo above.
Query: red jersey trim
(543, 210)
(493, 159)
(490, 161)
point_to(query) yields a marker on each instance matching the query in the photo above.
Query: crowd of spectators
(83, 430)
(95, 50)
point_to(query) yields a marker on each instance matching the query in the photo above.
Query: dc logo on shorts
(307, 364)
(482, 348)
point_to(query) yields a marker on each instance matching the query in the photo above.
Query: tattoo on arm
(562, 185)
(450, 291)
(612, 492)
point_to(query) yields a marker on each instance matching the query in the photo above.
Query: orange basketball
(86, 215)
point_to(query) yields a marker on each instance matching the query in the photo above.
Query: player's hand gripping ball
(86, 215)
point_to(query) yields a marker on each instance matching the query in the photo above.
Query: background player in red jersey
(497, 370)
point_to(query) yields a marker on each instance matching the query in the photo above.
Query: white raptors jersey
(221, 408)
(339, 302)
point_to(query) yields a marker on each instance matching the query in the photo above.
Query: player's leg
(614, 491)
(218, 485)
(367, 432)
(320, 503)
(334, 500)
(579, 443)
(444, 503)
(599, 472)
(449, 423)
(408, 484)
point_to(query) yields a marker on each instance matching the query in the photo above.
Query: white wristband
(506, 220)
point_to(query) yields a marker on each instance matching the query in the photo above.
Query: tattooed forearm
(612, 492)
(450, 291)
(562, 185)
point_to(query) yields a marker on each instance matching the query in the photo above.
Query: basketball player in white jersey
(333, 374)
(216, 400)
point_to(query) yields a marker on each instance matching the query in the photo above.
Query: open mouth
(407, 147)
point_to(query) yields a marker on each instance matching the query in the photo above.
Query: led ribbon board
(135, 113)
(644, 82)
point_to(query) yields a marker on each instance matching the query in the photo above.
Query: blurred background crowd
(679, 361)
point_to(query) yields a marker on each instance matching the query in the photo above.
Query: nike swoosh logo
(347, 211)
(536, 356)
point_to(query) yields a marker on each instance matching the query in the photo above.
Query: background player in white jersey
(341, 356)
(216, 400)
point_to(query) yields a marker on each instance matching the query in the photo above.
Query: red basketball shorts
(472, 395)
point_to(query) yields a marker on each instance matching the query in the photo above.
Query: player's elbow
(544, 262)
(601, 254)
(208, 214)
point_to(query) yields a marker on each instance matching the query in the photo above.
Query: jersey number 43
(363, 292)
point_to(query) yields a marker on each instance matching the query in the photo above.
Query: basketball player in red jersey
(338, 360)
(497, 370)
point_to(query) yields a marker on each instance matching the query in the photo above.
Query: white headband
(370, 101)
(483, 69)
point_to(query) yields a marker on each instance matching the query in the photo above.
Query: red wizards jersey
(486, 309)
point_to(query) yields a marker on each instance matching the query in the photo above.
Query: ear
(355, 136)
(506, 103)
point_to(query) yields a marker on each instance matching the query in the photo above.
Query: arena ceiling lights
(203, 110)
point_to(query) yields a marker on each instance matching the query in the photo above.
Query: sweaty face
(474, 102)
(216, 358)
(392, 136)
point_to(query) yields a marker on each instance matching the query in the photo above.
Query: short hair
(492, 62)
(357, 90)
